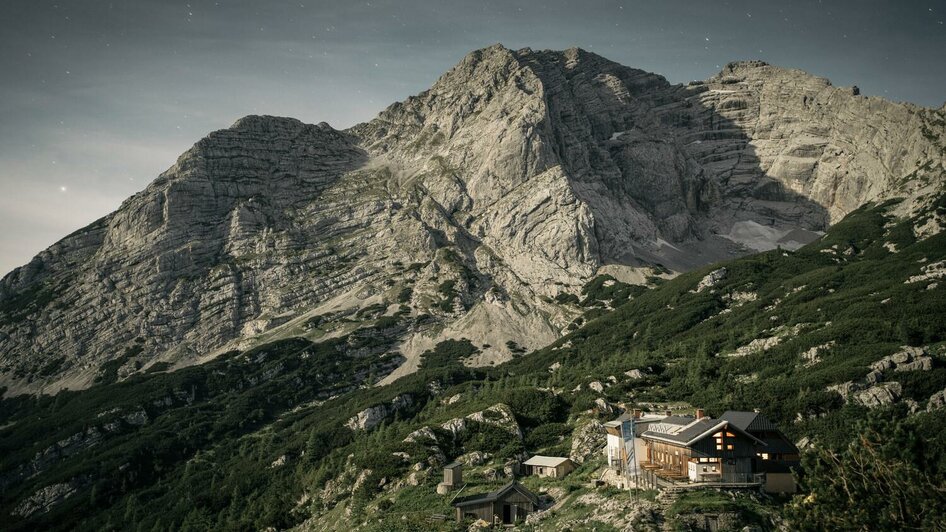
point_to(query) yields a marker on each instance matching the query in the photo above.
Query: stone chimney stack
(637, 414)
(700, 414)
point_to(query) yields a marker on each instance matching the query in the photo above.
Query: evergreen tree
(880, 481)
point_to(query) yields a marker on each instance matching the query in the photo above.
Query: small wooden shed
(453, 474)
(508, 505)
(549, 466)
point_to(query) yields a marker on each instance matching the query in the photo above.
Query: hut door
(507, 514)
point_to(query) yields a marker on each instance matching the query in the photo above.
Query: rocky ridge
(518, 176)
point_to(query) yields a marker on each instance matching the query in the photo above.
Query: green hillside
(259, 439)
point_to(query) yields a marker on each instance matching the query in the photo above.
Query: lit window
(719, 447)
(729, 447)
(765, 456)
(730, 435)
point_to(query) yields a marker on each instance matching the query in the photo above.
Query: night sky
(97, 98)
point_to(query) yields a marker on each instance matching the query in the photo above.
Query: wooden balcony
(664, 472)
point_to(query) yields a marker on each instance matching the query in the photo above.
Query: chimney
(700, 414)
(637, 414)
(669, 413)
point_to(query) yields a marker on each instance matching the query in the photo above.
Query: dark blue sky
(97, 98)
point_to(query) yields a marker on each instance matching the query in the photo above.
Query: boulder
(844, 389)
(492, 474)
(711, 279)
(421, 435)
(499, 415)
(936, 401)
(44, 499)
(918, 364)
(474, 458)
(588, 439)
(604, 408)
(372, 416)
(511, 468)
(879, 395)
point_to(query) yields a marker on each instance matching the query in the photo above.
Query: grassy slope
(207, 464)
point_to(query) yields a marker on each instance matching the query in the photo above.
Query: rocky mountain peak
(466, 211)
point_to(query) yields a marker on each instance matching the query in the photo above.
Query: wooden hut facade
(508, 505)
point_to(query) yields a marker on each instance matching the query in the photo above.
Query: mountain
(839, 342)
(476, 209)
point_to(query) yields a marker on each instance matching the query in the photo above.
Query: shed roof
(493, 496)
(546, 461)
(453, 465)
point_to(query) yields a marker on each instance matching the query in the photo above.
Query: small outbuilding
(453, 474)
(549, 466)
(508, 505)
(452, 478)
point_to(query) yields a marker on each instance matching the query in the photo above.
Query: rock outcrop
(372, 416)
(516, 177)
(588, 440)
(879, 395)
(46, 498)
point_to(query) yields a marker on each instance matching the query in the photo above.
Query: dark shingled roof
(677, 420)
(748, 421)
(780, 445)
(493, 496)
(755, 423)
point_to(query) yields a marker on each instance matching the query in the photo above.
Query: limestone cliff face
(517, 176)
